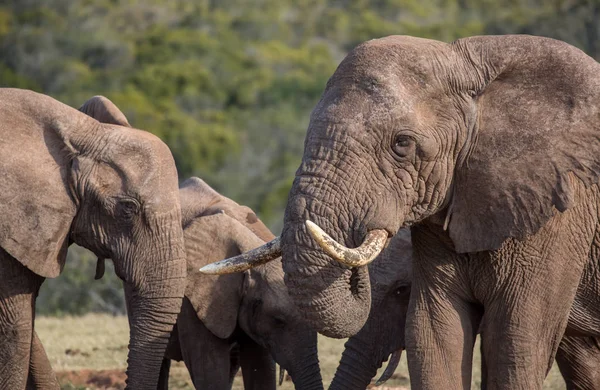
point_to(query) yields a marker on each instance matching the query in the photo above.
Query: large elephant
(68, 178)
(382, 336)
(489, 147)
(249, 311)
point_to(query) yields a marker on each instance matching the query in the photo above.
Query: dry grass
(99, 342)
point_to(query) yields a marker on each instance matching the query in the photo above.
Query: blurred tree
(229, 84)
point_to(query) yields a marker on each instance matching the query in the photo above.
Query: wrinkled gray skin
(250, 313)
(245, 319)
(578, 358)
(490, 148)
(67, 178)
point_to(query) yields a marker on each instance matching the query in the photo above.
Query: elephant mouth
(393, 361)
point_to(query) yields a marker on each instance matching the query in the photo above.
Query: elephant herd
(446, 190)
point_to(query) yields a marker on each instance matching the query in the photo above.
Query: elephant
(67, 178)
(489, 149)
(382, 335)
(228, 321)
(250, 312)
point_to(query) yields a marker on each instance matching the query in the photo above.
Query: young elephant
(578, 358)
(244, 319)
(248, 312)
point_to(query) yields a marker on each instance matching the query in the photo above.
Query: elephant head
(256, 300)
(487, 137)
(383, 333)
(68, 178)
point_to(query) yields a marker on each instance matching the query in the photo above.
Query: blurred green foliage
(229, 84)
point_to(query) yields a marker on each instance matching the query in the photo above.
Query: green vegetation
(229, 84)
(99, 342)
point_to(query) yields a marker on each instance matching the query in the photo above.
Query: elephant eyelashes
(403, 146)
(128, 207)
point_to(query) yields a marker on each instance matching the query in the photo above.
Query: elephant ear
(36, 208)
(105, 111)
(216, 298)
(196, 196)
(535, 138)
(248, 218)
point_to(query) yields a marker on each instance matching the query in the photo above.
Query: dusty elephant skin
(231, 321)
(68, 178)
(250, 312)
(489, 147)
(578, 357)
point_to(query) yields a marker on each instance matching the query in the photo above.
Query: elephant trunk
(305, 371)
(359, 364)
(334, 299)
(152, 309)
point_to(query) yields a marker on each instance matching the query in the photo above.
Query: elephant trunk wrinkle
(357, 366)
(335, 300)
(307, 376)
(154, 305)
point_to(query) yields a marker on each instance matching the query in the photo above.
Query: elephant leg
(18, 290)
(578, 359)
(206, 356)
(258, 366)
(441, 324)
(441, 343)
(41, 375)
(519, 344)
(523, 327)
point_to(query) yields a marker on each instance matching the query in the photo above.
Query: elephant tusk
(391, 368)
(281, 375)
(100, 267)
(357, 257)
(261, 255)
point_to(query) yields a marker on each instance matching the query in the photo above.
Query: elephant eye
(402, 291)
(279, 322)
(403, 145)
(128, 207)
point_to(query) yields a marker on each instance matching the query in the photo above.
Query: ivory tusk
(261, 255)
(100, 267)
(391, 368)
(281, 374)
(357, 257)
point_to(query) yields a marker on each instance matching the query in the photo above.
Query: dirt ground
(115, 380)
(97, 379)
(90, 352)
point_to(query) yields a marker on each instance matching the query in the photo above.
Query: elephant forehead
(380, 83)
(394, 62)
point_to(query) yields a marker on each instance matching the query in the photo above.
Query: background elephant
(489, 147)
(382, 335)
(68, 178)
(245, 319)
(250, 313)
